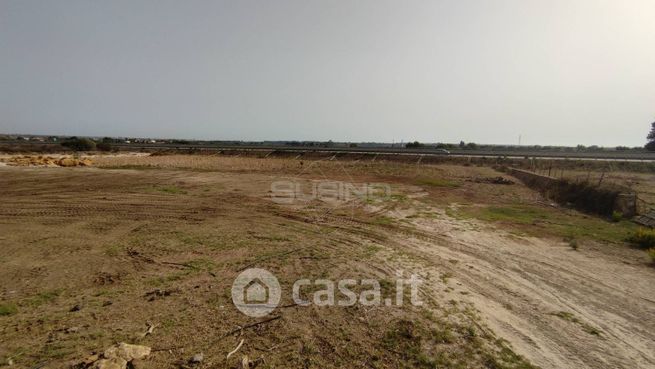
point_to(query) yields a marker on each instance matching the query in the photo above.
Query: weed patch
(437, 182)
(8, 309)
(643, 238)
(44, 298)
(540, 221)
(174, 190)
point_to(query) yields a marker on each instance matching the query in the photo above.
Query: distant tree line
(87, 144)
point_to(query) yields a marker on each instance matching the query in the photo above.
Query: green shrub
(79, 144)
(644, 238)
(103, 146)
(617, 216)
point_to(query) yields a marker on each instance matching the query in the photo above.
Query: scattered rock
(197, 358)
(72, 330)
(160, 293)
(104, 278)
(127, 351)
(91, 359)
(116, 363)
(75, 308)
(116, 357)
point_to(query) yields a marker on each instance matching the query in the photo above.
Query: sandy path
(519, 284)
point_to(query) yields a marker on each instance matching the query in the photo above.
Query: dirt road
(590, 308)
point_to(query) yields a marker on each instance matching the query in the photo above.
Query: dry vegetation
(94, 256)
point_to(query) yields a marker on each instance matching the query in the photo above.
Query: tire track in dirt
(520, 284)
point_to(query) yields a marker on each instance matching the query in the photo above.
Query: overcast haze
(555, 71)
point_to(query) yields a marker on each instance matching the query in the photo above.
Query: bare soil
(94, 256)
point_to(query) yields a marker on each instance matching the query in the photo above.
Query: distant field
(523, 152)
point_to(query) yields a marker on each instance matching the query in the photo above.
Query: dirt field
(94, 256)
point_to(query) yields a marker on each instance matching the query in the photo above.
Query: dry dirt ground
(95, 256)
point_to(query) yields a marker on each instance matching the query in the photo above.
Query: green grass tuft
(8, 309)
(617, 216)
(44, 298)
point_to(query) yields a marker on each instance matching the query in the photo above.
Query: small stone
(106, 303)
(115, 363)
(72, 330)
(127, 352)
(91, 359)
(75, 308)
(197, 358)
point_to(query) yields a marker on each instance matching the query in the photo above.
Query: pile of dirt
(48, 161)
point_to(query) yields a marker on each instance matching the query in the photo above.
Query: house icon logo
(256, 292)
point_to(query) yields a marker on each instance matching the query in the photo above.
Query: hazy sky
(555, 71)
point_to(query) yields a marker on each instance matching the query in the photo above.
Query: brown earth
(92, 257)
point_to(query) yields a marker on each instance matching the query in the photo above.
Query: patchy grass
(398, 197)
(44, 298)
(382, 220)
(514, 214)
(8, 309)
(199, 265)
(113, 250)
(371, 250)
(540, 221)
(438, 347)
(437, 182)
(404, 338)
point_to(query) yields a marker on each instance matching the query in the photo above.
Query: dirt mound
(47, 161)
